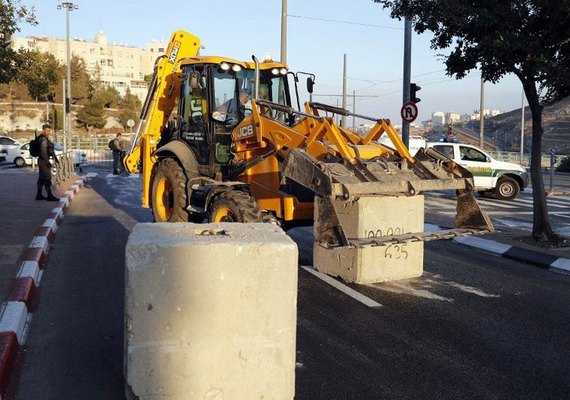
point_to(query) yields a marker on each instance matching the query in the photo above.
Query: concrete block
(210, 314)
(370, 217)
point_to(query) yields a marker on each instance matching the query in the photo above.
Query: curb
(534, 257)
(537, 258)
(15, 316)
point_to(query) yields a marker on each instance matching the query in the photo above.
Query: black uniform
(44, 166)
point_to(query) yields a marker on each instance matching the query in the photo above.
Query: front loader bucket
(338, 185)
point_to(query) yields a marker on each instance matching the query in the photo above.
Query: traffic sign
(409, 112)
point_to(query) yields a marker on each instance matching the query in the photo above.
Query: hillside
(505, 129)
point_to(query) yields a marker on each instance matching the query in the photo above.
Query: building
(438, 118)
(116, 65)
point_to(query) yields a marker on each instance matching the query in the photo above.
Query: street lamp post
(68, 6)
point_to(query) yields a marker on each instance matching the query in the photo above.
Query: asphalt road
(474, 326)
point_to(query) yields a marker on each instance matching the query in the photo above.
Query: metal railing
(515, 157)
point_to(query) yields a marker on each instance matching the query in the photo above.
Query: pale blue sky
(372, 41)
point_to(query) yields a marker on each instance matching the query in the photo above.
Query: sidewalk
(29, 227)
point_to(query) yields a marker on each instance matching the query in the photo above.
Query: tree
(130, 108)
(93, 114)
(526, 38)
(40, 72)
(12, 12)
(81, 85)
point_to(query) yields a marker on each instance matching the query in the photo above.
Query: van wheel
(507, 189)
(19, 162)
(234, 206)
(169, 192)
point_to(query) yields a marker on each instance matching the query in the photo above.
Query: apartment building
(118, 65)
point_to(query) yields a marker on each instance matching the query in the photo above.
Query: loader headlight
(224, 66)
(236, 68)
(279, 71)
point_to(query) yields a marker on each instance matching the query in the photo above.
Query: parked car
(503, 179)
(7, 143)
(21, 157)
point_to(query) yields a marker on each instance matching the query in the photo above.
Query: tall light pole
(284, 31)
(522, 127)
(68, 6)
(482, 114)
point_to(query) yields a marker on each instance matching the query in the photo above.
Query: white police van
(503, 179)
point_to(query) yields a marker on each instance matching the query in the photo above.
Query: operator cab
(215, 97)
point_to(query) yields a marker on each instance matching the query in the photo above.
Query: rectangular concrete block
(210, 314)
(370, 217)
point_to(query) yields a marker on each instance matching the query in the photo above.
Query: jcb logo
(174, 52)
(245, 131)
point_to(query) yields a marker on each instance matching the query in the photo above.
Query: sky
(319, 33)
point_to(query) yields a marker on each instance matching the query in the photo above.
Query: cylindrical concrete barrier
(210, 312)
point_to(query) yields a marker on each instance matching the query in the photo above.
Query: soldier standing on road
(44, 164)
(116, 146)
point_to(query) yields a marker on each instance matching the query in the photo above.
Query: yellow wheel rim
(163, 199)
(224, 214)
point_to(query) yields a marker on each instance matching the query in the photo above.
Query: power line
(344, 22)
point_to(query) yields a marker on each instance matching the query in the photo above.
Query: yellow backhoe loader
(220, 140)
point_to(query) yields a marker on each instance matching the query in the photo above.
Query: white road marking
(343, 288)
(403, 288)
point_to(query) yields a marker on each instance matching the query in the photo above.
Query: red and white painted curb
(15, 313)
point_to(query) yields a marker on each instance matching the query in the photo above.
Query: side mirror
(219, 116)
(310, 84)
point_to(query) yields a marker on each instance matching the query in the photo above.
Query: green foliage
(130, 106)
(39, 72)
(81, 85)
(12, 13)
(109, 96)
(93, 114)
(528, 38)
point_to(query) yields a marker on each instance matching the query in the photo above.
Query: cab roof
(263, 65)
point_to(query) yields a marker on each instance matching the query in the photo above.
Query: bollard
(210, 312)
(371, 217)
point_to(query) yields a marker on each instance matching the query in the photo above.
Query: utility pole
(407, 75)
(482, 115)
(522, 127)
(284, 31)
(68, 6)
(343, 118)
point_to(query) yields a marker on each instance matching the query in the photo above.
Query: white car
(503, 179)
(21, 156)
(7, 143)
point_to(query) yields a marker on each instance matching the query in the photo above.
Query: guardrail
(515, 157)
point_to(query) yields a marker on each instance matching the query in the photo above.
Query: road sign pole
(407, 75)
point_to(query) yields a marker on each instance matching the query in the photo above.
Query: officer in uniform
(44, 164)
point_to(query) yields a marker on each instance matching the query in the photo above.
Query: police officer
(44, 164)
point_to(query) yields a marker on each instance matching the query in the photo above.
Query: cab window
(446, 150)
(193, 110)
(471, 154)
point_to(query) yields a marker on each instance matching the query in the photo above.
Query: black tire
(168, 195)
(19, 162)
(507, 188)
(234, 206)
